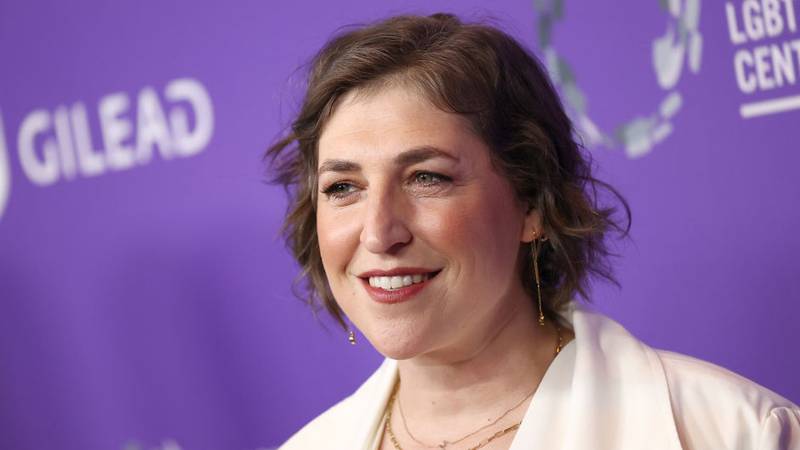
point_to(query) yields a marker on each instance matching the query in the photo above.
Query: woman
(441, 205)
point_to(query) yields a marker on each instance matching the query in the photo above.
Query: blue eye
(430, 178)
(339, 190)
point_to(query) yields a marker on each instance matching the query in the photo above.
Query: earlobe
(532, 228)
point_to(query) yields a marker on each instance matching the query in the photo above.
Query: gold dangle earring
(535, 253)
(351, 337)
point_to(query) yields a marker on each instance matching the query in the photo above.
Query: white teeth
(396, 282)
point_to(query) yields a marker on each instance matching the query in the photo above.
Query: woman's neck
(480, 378)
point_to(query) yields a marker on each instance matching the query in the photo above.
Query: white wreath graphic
(5, 170)
(681, 41)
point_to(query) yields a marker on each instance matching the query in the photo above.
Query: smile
(397, 282)
(390, 288)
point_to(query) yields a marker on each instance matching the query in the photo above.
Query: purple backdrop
(144, 293)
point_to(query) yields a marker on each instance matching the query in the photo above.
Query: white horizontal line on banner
(766, 107)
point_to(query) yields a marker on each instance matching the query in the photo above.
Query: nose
(385, 227)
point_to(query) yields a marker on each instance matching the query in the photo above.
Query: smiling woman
(441, 204)
(419, 196)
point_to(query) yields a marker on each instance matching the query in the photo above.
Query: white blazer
(606, 390)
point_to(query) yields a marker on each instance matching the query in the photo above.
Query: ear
(532, 227)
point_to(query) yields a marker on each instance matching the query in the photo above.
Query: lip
(396, 295)
(397, 271)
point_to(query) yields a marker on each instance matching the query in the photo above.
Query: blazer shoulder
(689, 378)
(717, 408)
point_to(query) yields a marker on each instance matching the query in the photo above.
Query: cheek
(483, 234)
(448, 226)
(338, 238)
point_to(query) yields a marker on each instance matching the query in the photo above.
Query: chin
(396, 347)
(397, 353)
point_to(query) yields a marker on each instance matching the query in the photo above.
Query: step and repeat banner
(145, 293)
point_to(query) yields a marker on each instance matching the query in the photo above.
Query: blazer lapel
(605, 390)
(370, 402)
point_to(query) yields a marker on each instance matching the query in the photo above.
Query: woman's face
(419, 235)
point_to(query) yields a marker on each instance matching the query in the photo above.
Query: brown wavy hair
(483, 74)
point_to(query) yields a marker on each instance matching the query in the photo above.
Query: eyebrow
(407, 158)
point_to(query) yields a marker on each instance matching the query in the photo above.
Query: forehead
(382, 123)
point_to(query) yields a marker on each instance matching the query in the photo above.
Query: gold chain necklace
(445, 443)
